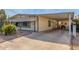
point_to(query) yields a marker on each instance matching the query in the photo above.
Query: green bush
(1, 31)
(77, 27)
(9, 29)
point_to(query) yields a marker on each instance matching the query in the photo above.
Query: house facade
(41, 22)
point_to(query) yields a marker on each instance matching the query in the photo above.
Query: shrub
(0, 30)
(77, 27)
(9, 29)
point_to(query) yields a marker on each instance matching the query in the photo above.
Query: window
(49, 23)
(18, 24)
(23, 24)
(27, 24)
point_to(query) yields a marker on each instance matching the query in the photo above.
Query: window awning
(20, 20)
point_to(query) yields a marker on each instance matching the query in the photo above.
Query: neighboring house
(41, 22)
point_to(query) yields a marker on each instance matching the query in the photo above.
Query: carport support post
(70, 33)
(70, 26)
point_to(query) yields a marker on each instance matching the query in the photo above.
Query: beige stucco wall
(43, 24)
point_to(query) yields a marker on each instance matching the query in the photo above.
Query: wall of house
(26, 18)
(43, 24)
(29, 29)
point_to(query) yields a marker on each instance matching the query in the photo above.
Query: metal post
(72, 37)
(70, 33)
(70, 25)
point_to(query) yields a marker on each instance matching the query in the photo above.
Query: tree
(77, 24)
(76, 20)
(2, 17)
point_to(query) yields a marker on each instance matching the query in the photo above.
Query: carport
(57, 37)
(61, 37)
(69, 16)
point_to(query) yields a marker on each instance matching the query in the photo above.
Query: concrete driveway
(53, 37)
(55, 40)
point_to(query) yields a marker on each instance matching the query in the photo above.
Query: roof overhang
(59, 16)
(55, 16)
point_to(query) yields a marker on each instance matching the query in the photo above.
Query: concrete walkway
(56, 40)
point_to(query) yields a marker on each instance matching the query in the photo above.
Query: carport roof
(58, 16)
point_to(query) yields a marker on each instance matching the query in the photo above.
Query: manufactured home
(42, 22)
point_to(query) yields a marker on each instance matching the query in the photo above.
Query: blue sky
(11, 12)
